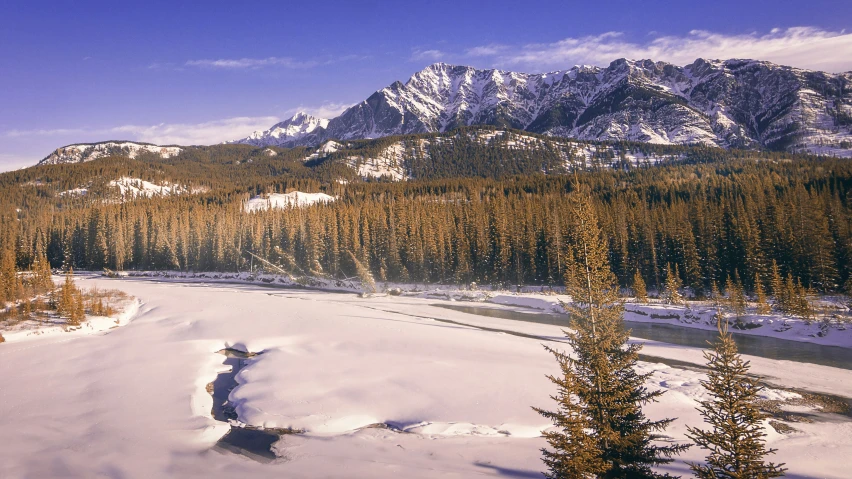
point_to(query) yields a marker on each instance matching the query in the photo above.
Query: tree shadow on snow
(510, 472)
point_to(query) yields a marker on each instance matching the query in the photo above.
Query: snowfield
(133, 401)
(279, 200)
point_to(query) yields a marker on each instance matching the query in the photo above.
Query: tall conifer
(600, 394)
(673, 285)
(640, 292)
(735, 444)
(760, 296)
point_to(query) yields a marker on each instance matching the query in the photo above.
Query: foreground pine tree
(601, 430)
(575, 451)
(736, 442)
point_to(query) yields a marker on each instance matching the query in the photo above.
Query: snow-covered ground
(33, 329)
(132, 401)
(281, 200)
(698, 315)
(128, 188)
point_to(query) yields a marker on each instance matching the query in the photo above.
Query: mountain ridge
(726, 103)
(294, 128)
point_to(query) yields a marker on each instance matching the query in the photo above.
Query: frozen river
(761, 346)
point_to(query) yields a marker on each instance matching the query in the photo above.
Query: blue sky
(178, 72)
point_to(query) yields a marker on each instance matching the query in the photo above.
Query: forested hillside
(469, 212)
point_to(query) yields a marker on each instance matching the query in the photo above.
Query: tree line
(710, 221)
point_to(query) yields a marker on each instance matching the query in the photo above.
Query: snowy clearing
(452, 399)
(279, 200)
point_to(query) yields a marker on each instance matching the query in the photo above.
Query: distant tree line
(708, 221)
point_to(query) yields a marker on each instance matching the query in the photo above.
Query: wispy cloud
(43, 132)
(429, 55)
(804, 47)
(204, 133)
(486, 50)
(10, 162)
(252, 63)
(326, 110)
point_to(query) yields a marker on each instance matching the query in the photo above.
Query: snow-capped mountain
(286, 132)
(731, 104)
(81, 152)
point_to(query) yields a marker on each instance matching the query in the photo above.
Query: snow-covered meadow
(452, 391)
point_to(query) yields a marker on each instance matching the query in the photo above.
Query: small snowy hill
(79, 153)
(293, 199)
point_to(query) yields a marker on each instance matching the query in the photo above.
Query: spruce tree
(736, 295)
(68, 299)
(778, 289)
(735, 444)
(574, 453)
(715, 295)
(760, 296)
(673, 285)
(600, 394)
(43, 280)
(640, 292)
(368, 284)
(10, 284)
(77, 312)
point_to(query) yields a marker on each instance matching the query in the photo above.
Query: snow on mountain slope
(292, 199)
(137, 188)
(127, 188)
(79, 153)
(396, 160)
(324, 150)
(295, 128)
(388, 163)
(731, 104)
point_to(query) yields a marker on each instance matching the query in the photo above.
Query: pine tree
(10, 284)
(715, 295)
(778, 289)
(77, 313)
(600, 394)
(799, 305)
(70, 301)
(760, 296)
(640, 292)
(673, 285)
(368, 284)
(736, 295)
(575, 453)
(43, 280)
(735, 444)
